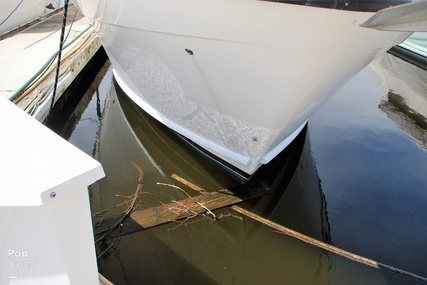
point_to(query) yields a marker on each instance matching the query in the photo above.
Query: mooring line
(366, 261)
(61, 44)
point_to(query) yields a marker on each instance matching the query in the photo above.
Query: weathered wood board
(179, 210)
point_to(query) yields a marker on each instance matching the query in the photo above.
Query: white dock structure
(46, 234)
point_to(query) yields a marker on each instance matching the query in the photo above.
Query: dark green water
(357, 180)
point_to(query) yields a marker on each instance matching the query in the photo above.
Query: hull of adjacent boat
(416, 43)
(238, 78)
(14, 13)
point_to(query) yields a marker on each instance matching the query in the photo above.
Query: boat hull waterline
(238, 78)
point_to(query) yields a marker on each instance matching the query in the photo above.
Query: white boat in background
(239, 79)
(14, 13)
(413, 49)
(416, 43)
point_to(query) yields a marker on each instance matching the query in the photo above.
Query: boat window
(351, 5)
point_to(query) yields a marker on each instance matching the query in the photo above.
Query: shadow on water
(201, 253)
(228, 251)
(69, 109)
(108, 126)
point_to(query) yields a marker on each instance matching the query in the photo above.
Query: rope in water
(61, 44)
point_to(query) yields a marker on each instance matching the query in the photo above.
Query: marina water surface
(356, 179)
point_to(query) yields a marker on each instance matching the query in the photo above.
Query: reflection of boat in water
(199, 252)
(413, 49)
(228, 251)
(239, 79)
(302, 206)
(14, 13)
(406, 103)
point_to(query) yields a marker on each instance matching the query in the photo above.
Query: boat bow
(411, 17)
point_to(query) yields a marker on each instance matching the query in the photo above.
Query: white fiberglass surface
(17, 12)
(244, 88)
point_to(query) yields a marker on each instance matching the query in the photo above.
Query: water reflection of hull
(228, 251)
(235, 84)
(303, 205)
(69, 108)
(406, 87)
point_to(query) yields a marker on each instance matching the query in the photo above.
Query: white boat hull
(239, 78)
(416, 43)
(14, 13)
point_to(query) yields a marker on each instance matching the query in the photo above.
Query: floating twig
(107, 249)
(128, 197)
(174, 186)
(190, 185)
(207, 210)
(131, 205)
(183, 211)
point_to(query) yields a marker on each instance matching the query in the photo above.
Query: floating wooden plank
(187, 208)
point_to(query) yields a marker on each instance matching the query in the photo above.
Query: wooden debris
(103, 280)
(188, 184)
(176, 210)
(363, 260)
(106, 233)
